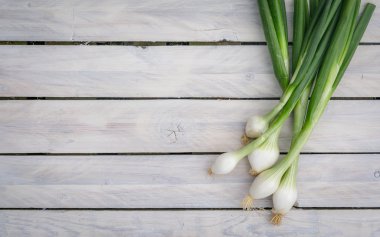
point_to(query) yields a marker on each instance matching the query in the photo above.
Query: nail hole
(376, 174)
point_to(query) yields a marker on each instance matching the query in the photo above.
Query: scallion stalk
(309, 51)
(302, 80)
(273, 18)
(274, 23)
(300, 20)
(293, 98)
(313, 6)
(286, 195)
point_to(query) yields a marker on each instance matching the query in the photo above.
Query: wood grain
(167, 125)
(176, 181)
(333, 223)
(109, 126)
(196, 71)
(134, 20)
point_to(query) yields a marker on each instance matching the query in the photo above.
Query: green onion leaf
(274, 33)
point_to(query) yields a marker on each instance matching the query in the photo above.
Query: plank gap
(148, 43)
(182, 209)
(172, 153)
(168, 98)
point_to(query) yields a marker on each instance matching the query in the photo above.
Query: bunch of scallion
(326, 34)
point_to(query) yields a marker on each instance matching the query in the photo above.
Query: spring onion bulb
(265, 155)
(286, 195)
(225, 163)
(264, 185)
(256, 126)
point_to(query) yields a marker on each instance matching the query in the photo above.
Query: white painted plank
(332, 223)
(196, 71)
(176, 181)
(134, 20)
(123, 196)
(170, 126)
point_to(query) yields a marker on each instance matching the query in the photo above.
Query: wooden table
(112, 111)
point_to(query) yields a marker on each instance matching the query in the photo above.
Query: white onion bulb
(265, 156)
(265, 184)
(286, 194)
(284, 199)
(256, 126)
(225, 163)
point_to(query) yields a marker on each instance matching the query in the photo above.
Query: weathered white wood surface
(166, 125)
(196, 71)
(135, 20)
(176, 181)
(332, 223)
(97, 126)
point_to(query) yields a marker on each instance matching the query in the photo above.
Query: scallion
(325, 40)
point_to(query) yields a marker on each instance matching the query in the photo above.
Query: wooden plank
(139, 181)
(196, 71)
(333, 223)
(108, 126)
(133, 20)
